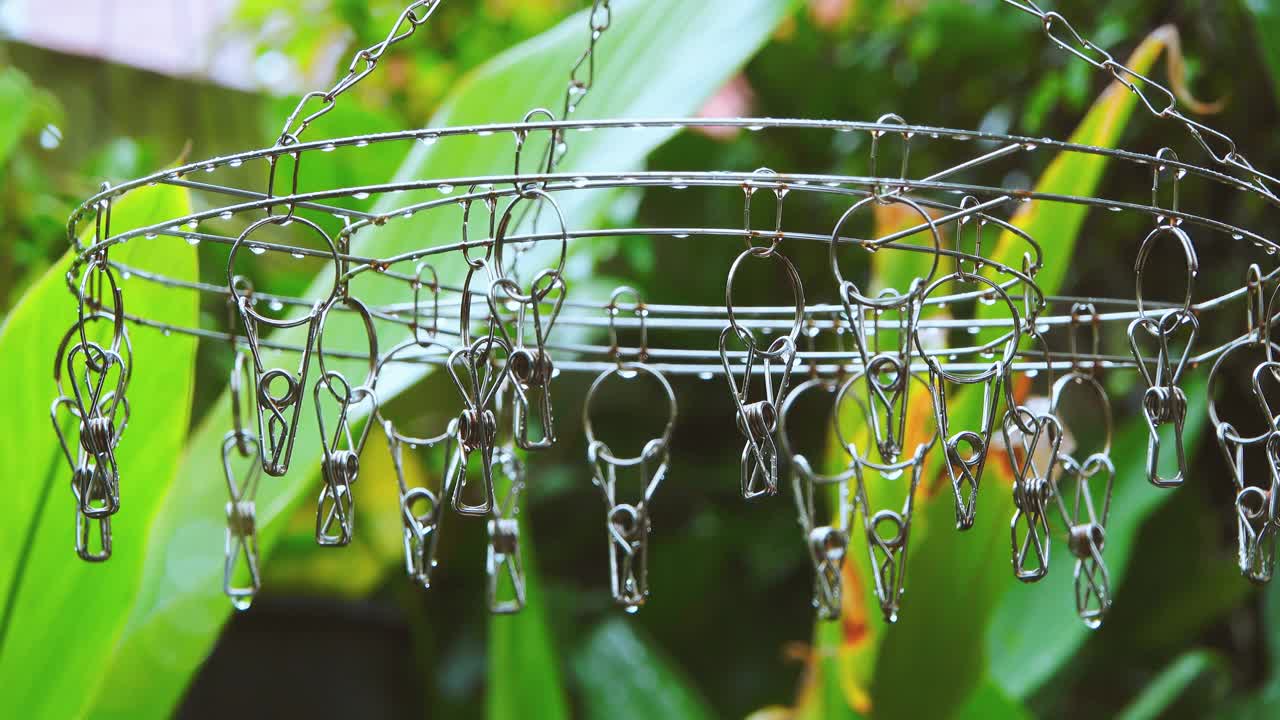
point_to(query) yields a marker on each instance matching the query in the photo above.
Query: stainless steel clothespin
(278, 392)
(474, 372)
(965, 450)
(341, 449)
(1092, 477)
(757, 419)
(826, 544)
(505, 572)
(1033, 440)
(1164, 403)
(884, 345)
(1255, 501)
(628, 523)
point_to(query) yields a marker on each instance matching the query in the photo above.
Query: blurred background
(94, 90)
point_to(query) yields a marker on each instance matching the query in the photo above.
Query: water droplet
(1032, 373)
(973, 329)
(236, 163)
(579, 182)
(755, 128)
(166, 332)
(257, 249)
(330, 147)
(484, 133)
(706, 375)
(275, 305)
(1237, 236)
(362, 143)
(445, 189)
(50, 137)
(296, 255)
(126, 275)
(428, 140)
(632, 609)
(361, 196)
(193, 240)
(151, 236)
(681, 236)
(1027, 146)
(226, 214)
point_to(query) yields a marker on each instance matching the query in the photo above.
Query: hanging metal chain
(364, 63)
(1217, 144)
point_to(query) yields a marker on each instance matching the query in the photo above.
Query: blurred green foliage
(729, 631)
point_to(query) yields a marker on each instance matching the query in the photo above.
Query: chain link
(364, 63)
(1159, 100)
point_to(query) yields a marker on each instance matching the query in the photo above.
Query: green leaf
(989, 701)
(622, 677)
(177, 615)
(1266, 25)
(15, 98)
(524, 667)
(1164, 691)
(62, 615)
(1035, 631)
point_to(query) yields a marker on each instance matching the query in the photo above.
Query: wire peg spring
(532, 367)
(628, 523)
(279, 392)
(340, 457)
(98, 400)
(1164, 403)
(505, 587)
(1033, 442)
(888, 531)
(965, 450)
(629, 555)
(757, 419)
(476, 428)
(241, 579)
(1086, 532)
(1255, 505)
(827, 548)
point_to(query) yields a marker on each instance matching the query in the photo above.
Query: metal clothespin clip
(341, 449)
(98, 377)
(476, 428)
(888, 530)
(1086, 526)
(883, 344)
(826, 544)
(965, 450)
(505, 573)
(531, 367)
(1255, 503)
(1164, 403)
(241, 579)
(757, 420)
(1033, 440)
(628, 523)
(421, 508)
(278, 392)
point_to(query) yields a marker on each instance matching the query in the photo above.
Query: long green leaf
(623, 678)
(524, 668)
(63, 615)
(15, 98)
(1163, 692)
(177, 615)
